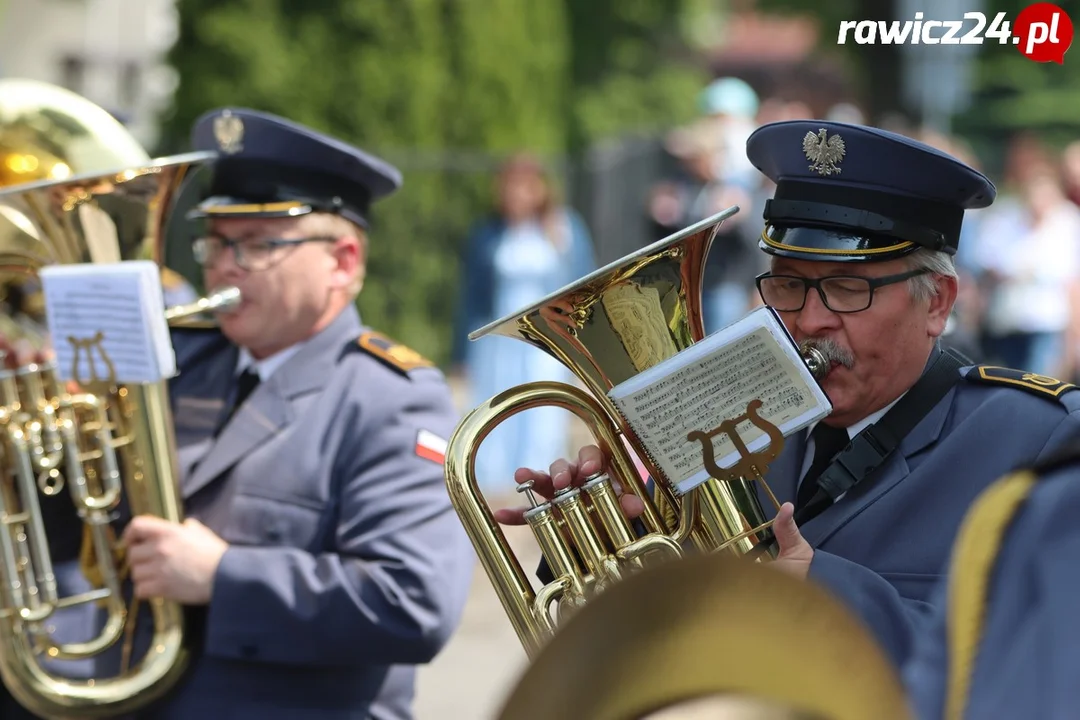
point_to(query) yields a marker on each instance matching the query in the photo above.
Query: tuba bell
(79, 189)
(607, 327)
(711, 637)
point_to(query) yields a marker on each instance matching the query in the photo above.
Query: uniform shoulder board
(394, 354)
(1032, 382)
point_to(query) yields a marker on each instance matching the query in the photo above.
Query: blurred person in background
(730, 105)
(1025, 305)
(702, 189)
(532, 245)
(1027, 298)
(1070, 171)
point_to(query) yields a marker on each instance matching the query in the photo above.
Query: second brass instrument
(73, 458)
(606, 328)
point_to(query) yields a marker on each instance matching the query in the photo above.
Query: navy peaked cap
(855, 193)
(268, 166)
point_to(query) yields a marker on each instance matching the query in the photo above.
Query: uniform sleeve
(893, 619)
(395, 587)
(925, 672)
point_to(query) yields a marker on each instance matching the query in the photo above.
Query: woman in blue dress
(531, 246)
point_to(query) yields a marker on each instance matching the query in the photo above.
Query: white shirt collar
(867, 421)
(267, 366)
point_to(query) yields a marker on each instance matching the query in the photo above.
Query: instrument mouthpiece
(815, 360)
(221, 300)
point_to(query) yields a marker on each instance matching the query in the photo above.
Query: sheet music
(714, 381)
(107, 320)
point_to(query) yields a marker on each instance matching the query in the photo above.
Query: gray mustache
(833, 351)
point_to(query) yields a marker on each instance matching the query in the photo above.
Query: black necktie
(245, 384)
(828, 442)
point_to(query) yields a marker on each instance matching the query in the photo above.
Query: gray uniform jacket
(883, 547)
(347, 564)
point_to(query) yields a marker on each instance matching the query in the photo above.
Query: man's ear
(941, 304)
(349, 260)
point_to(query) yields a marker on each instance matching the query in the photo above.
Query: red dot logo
(1043, 32)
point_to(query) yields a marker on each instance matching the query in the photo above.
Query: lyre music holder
(94, 383)
(750, 464)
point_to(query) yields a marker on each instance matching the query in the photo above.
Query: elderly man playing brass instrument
(861, 232)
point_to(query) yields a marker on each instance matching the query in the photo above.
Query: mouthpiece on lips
(816, 360)
(224, 299)
(220, 301)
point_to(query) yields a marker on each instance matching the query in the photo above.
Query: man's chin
(233, 327)
(836, 382)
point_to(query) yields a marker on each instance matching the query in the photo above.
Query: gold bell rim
(168, 161)
(619, 265)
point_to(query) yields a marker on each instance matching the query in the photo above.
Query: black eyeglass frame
(815, 283)
(202, 256)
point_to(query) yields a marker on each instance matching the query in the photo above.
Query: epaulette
(399, 357)
(1032, 382)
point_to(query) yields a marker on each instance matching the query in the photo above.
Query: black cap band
(932, 225)
(254, 188)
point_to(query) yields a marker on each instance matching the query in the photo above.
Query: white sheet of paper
(108, 313)
(713, 381)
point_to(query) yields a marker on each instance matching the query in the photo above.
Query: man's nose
(815, 316)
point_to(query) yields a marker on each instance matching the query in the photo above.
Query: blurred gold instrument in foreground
(80, 190)
(713, 634)
(608, 327)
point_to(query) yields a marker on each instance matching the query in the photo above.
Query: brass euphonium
(607, 327)
(80, 190)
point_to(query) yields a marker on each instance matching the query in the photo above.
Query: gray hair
(935, 262)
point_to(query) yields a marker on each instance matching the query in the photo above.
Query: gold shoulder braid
(974, 556)
(392, 353)
(1032, 382)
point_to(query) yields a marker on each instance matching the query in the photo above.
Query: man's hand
(562, 474)
(795, 553)
(171, 561)
(17, 352)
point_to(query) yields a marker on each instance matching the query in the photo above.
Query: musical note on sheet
(107, 322)
(713, 381)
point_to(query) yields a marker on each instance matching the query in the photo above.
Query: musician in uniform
(861, 234)
(321, 559)
(1003, 640)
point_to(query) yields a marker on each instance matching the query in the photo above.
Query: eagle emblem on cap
(229, 132)
(823, 152)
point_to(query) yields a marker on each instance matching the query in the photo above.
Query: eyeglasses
(839, 293)
(250, 255)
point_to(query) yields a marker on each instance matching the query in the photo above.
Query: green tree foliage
(630, 68)
(386, 75)
(442, 88)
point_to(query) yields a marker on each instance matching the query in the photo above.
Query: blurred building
(110, 51)
(778, 55)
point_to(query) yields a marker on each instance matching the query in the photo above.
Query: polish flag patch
(430, 446)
